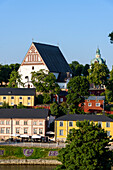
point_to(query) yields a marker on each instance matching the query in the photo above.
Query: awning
(15, 135)
(50, 133)
(36, 137)
(24, 136)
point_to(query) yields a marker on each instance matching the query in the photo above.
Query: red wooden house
(93, 104)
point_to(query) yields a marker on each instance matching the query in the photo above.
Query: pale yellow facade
(62, 128)
(16, 100)
(30, 127)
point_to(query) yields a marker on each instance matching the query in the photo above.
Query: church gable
(33, 57)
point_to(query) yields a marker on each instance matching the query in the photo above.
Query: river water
(26, 167)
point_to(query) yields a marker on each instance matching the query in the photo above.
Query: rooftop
(81, 117)
(24, 113)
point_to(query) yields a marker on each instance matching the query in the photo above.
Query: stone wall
(29, 162)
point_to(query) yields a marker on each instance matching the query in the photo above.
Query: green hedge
(14, 152)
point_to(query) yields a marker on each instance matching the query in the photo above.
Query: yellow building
(15, 96)
(64, 123)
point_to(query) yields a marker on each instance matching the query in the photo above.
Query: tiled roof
(53, 58)
(96, 98)
(18, 91)
(24, 113)
(81, 117)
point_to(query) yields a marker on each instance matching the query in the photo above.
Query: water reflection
(26, 167)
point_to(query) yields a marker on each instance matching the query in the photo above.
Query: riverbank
(28, 162)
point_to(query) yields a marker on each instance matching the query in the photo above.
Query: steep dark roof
(18, 91)
(96, 98)
(63, 93)
(24, 113)
(80, 117)
(53, 58)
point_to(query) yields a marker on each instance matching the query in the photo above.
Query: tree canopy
(98, 74)
(58, 110)
(5, 71)
(86, 149)
(78, 87)
(111, 37)
(79, 69)
(14, 79)
(45, 82)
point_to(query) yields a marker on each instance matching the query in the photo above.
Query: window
(17, 122)
(12, 103)
(2, 122)
(90, 104)
(2, 130)
(61, 132)
(29, 104)
(29, 98)
(107, 124)
(25, 122)
(97, 104)
(20, 102)
(32, 67)
(54, 99)
(35, 123)
(40, 131)
(70, 131)
(25, 130)
(70, 123)
(40, 123)
(7, 130)
(7, 122)
(12, 97)
(20, 98)
(108, 133)
(61, 99)
(17, 130)
(100, 124)
(35, 131)
(1, 103)
(4, 98)
(60, 123)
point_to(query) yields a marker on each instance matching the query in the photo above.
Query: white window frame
(61, 132)
(108, 133)
(89, 104)
(97, 104)
(34, 131)
(107, 124)
(69, 123)
(100, 123)
(7, 130)
(61, 99)
(17, 130)
(61, 123)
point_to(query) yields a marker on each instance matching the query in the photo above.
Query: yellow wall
(17, 100)
(66, 129)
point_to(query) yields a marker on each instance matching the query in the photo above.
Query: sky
(78, 27)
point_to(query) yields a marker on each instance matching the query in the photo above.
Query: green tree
(86, 149)
(111, 37)
(79, 69)
(5, 105)
(15, 79)
(98, 74)
(57, 110)
(45, 82)
(78, 87)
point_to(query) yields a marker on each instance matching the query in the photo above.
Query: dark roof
(18, 91)
(96, 98)
(53, 58)
(24, 113)
(62, 77)
(63, 93)
(80, 117)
